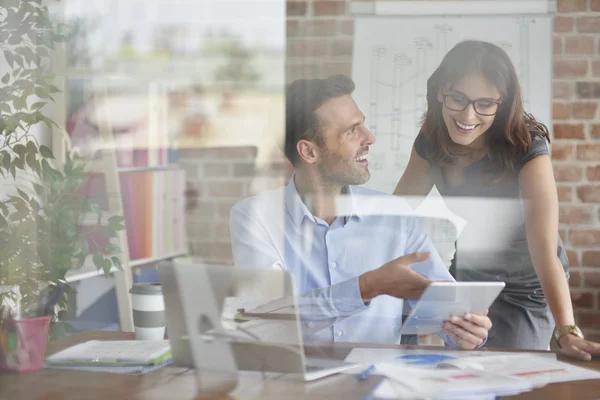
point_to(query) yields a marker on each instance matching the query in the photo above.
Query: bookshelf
(114, 175)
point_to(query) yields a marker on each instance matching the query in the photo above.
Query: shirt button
(333, 265)
(340, 333)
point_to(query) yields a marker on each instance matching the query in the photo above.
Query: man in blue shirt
(353, 254)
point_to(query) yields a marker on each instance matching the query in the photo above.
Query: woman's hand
(576, 347)
(469, 332)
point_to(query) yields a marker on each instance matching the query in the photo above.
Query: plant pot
(23, 344)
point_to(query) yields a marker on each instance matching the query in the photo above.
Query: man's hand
(469, 332)
(576, 347)
(395, 279)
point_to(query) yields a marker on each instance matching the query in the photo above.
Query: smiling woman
(477, 143)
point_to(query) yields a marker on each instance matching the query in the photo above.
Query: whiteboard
(394, 55)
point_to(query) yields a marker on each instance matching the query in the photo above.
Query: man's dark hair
(302, 98)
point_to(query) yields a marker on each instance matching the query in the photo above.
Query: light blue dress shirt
(275, 229)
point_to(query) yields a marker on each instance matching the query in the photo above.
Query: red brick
(319, 27)
(568, 173)
(596, 130)
(218, 153)
(584, 237)
(221, 232)
(292, 28)
(573, 258)
(588, 90)
(334, 68)
(588, 152)
(296, 8)
(212, 251)
(570, 68)
(569, 131)
(591, 258)
(342, 47)
(576, 215)
(571, 5)
(300, 71)
(585, 110)
(594, 5)
(226, 189)
(329, 8)
(593, 173)
(561, 110)
(346, 27)
(589, 193)
(579, 45)
(303, 48)
(562, 233)
(557, 45)
(562, 90)
(591, 279)
(588, 24)
(562, 151)
(582, 299)
(589, 319)
(565, 193)
(224, 208)
(215, 170)
(574, 277)
(563, 24)
(596, 67)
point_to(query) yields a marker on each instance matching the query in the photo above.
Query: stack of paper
(121, 357)
(417, 374)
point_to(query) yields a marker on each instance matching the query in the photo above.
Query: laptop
(195, 294)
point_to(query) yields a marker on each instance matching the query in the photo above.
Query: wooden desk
(177, 383)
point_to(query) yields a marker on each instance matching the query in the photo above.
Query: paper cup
(148, 311)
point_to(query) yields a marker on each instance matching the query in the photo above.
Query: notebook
(114, 369)
(121, 353)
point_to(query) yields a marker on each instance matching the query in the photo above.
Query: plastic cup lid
(146, 288)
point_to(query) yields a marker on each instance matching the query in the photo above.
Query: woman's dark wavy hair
(511, 133)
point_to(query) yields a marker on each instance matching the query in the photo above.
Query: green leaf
(39, 189)
(117, 263)
(98, 260)
(46, 152)
(41, 93)
(37, 105)
(31, 161)
(9, 58)
(6, 78)
(31, 147)
(6, 161)
(106, 266)
(20, 149)
(23, 194)
(5, 107)
(116, 219)
(20, 103)
(53, 89)
(112, 248)
(13, 171)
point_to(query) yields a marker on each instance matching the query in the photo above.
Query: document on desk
(410, 382)
(423, 358)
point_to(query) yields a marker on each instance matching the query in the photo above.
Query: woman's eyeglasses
(483, 107)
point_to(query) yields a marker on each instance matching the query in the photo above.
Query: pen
(364, 374)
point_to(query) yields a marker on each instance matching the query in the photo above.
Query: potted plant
(41, 218)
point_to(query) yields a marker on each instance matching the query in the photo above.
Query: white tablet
(441, 300)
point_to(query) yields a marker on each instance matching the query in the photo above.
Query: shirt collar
(297, 210)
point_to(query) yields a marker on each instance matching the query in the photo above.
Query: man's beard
(339, 172)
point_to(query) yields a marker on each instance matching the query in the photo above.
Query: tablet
(441, 300)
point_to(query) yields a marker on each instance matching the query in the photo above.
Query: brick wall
(319, 43)
(576, 149)
(217, 178)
